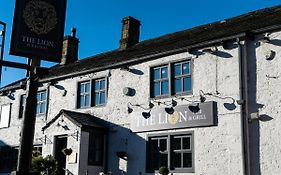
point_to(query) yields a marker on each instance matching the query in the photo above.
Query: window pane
(154, 146)
(87, 87)
(43, 96)
(187, 160)
(177, 69)
(163, 160)
(177, 160)
(156, 74)
(187, 84)
(163, 145)
(102, 98)
(178, 86)
(97, 85)
(186, 143)
(156, 89)
(82, 87)
(154, 161)
(164, 72)
(97, 98)
(177, 143)
(82, 99)
(38, 97)
(87, 100)
(38, 108)
(185, 68)
(102, 84)
(43, 108)
(165, 88)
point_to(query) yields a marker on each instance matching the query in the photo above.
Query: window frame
(99, 91)
(181, 77)
(92, 151)
(170, 150)
(22, 105)
(41, 102)
(171, 77)
(92, 92)
(79, 94)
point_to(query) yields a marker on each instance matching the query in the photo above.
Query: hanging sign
(182, 116)
(38, 29)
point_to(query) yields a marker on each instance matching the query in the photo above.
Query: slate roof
(82, 120)
(229, 27)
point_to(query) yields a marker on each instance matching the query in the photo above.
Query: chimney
(70, 48)
(130, 32)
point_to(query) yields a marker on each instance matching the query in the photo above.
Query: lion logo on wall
(40, 16)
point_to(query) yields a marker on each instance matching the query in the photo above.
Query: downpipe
(244, 112)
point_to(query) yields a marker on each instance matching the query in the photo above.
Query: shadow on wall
(8, 158)
(254, 107)
(127, 152)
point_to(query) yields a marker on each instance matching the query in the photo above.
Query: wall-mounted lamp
(254, 116)
(265, 38)
(130, 107)
(146, 115)
(194, 108)
(62, 124)
(228, 105)
(126, 68)
(170, 108)
(210, 50)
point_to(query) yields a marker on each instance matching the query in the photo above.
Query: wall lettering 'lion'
(40, 17)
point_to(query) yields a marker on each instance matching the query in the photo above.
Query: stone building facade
(200, 101)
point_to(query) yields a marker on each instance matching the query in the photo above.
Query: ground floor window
(8, 158)
(174, 151)
(96, 148)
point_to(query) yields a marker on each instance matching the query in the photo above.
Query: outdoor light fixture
(194, 108)
(227, 105)
(265, 38)
(210, 50)
(126, 68)
(130, 107)
(170, 110)
(146, 115)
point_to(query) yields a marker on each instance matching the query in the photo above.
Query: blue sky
(98, 22)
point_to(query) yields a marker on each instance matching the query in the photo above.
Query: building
(200, 101)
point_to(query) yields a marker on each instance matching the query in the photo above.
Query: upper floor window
(92, 93)
(41, 102)
(160, 81)
(100, 92)
(5, 115)
(22, 105)
(84, 94)
(181, 78)
(171, 79)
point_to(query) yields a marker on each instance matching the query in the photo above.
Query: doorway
(60, 144)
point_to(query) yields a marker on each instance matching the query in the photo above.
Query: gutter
(243, 95)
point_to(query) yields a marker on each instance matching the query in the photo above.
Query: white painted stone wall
(217, 149)
(265, 92)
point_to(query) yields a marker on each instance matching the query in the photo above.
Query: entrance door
(60, 144)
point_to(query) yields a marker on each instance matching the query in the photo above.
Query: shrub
(47, 165)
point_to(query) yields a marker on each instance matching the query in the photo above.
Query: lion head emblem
(40, 17)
